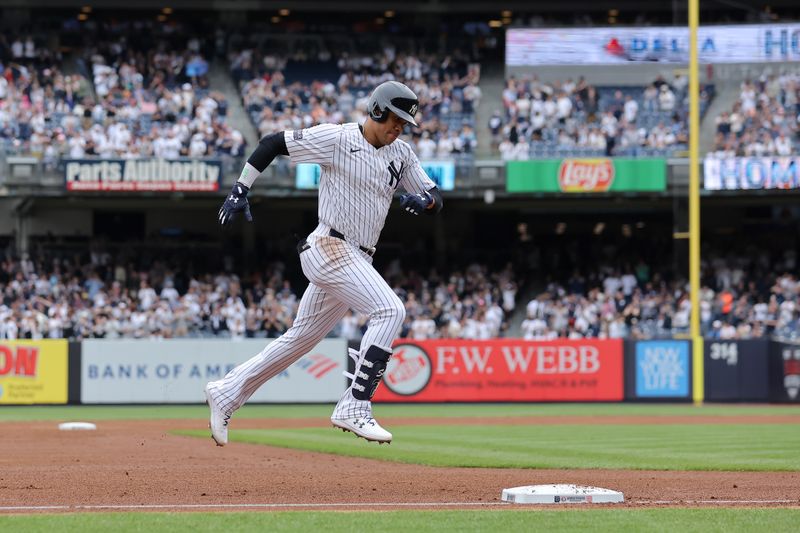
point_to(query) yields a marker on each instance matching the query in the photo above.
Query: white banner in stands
(443, 174)
(146, 174)
(613, 46)
(176, 371)
(737, 173)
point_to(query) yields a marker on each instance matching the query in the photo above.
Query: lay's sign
(33, 372)
(587, 175)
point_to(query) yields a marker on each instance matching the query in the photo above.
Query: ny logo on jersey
(394, 174)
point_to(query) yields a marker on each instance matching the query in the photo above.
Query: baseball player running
(362, 166)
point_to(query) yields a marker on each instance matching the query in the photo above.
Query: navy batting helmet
(395, 97)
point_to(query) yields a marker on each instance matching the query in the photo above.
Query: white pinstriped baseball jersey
(358, 181)
(357, 184)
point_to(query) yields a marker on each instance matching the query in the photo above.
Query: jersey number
(394, 174)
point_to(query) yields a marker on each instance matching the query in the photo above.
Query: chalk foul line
(366, 506)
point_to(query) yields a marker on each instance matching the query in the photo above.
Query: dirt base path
(138, 464)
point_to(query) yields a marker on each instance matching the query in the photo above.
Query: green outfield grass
(659, 446)
(595, 520)
(768, 447)
(90, 413)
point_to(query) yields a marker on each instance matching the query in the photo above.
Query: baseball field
(680, 467)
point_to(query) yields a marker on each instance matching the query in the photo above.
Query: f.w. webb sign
(142, 175)
(504, 370)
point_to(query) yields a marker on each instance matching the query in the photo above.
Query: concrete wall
(61, 222)
(6, 221)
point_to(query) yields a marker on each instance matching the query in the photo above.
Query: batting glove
(416, 203)
(236, 202)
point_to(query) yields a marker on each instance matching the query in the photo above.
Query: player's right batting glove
(415, 203)
(236, 202)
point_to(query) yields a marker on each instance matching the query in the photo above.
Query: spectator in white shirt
(748, 96)
(564, 107)
(30, 48)
(197, 146)
(507, 150)
(533, 328)
(522, 150)
(351, 326)
(120, 136)
(609, 124)
(596, 139)
(612, 284)
(426, 147)
(10, 330)
(77, 146)
(522, 106)
(666, 98)
(783, 146)
(629, 283)
(550, 108)
(147, 295)
(538, 121)
(171, 147)
(444, 149)
(631, 109)
(727, 331)
(422, 328)
(17, 49)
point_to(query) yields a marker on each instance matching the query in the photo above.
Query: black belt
(339, 235)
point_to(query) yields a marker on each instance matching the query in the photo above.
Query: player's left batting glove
(416, 203)
(236, 202)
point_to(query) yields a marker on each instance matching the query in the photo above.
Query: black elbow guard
(269, 147)
(438, 202)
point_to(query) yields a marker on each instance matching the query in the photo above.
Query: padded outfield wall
(501, 370)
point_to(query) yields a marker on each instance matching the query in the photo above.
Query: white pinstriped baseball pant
(341, 277)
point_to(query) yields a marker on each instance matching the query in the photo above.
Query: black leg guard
(369, 374)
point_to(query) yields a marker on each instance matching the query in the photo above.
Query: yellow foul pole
(694, 204)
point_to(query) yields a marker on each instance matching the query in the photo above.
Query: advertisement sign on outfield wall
(751, 173)
(751, 43)
(443, 174)
(582, 175)
(784, 372)
(176, 371)
(138, 175)
(503, 370)
(662, 369)
(33, 372)
(736, 370)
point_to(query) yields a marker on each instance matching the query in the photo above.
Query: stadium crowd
(470, 303)
(67, 298)
(576, 118)
(138, 98)
(99, 297)
(142, 90)
(742, 297)
(764, 120)
(277, 99)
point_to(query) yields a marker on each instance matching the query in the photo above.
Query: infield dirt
(139, 463)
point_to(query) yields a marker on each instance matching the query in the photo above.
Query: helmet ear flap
(377, 114)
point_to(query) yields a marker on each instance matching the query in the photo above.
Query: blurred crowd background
(117, 88)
